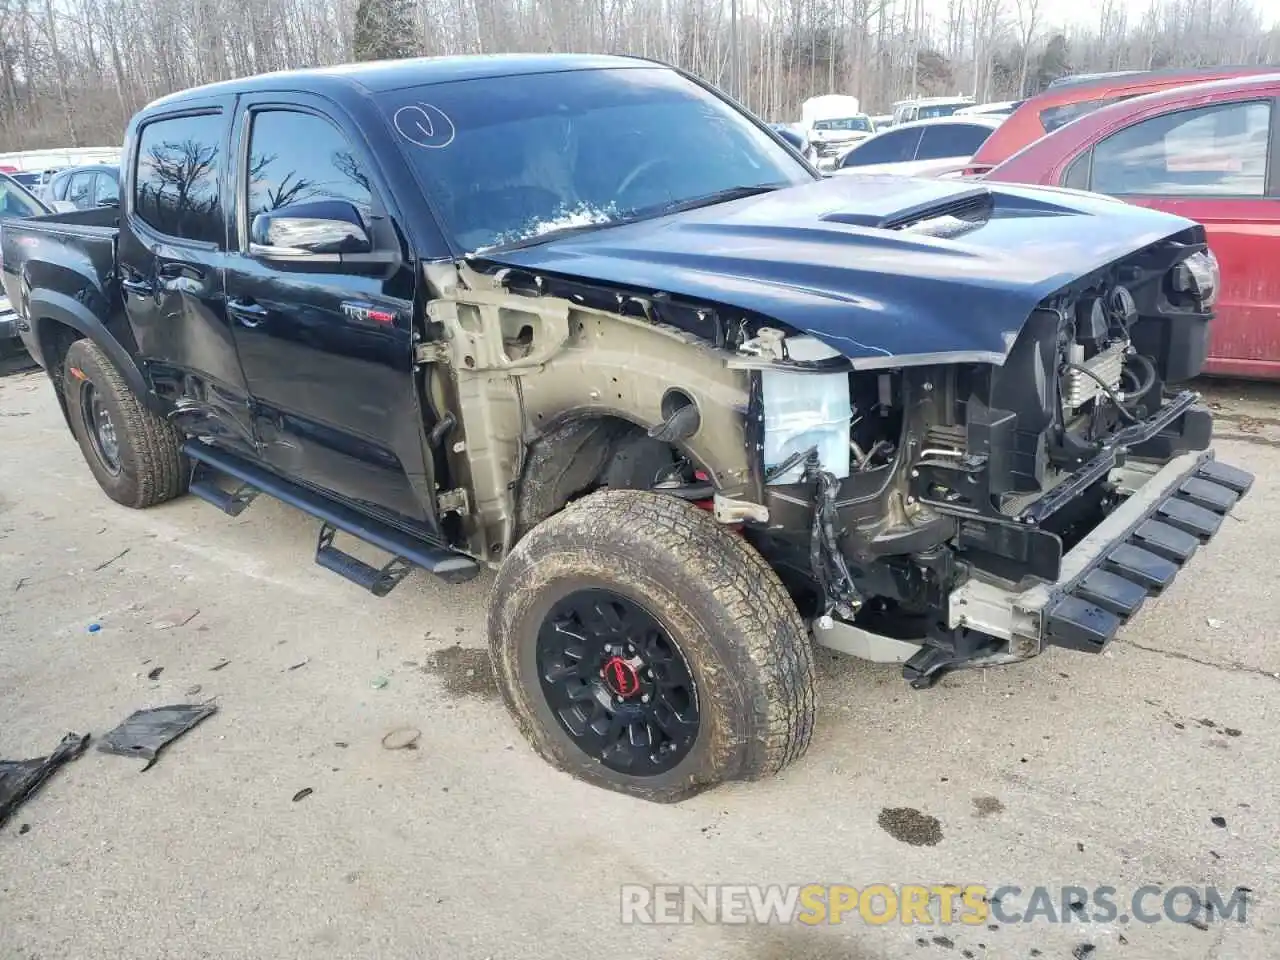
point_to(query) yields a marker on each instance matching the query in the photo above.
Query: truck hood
(888, 270)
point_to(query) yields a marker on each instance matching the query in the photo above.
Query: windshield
(847, 123)
(16, 202)
(507, 159)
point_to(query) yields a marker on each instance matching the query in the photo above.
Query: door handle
(249, 314)
(143, 288)
(174, 270)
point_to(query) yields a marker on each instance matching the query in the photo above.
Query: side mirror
(322, 228)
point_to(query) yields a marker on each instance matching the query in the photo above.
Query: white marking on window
(425, 125)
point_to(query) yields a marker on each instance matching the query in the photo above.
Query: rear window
(1051, 118)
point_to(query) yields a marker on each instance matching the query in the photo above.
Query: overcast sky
(1067, 11)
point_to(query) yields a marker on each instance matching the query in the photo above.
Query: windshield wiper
(711, 199)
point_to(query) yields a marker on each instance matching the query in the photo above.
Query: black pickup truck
(585, 321)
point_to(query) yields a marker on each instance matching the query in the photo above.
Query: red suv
(1060, 105)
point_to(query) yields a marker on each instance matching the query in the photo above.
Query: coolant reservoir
(803, 410)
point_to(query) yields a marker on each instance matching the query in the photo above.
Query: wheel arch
(58, 320)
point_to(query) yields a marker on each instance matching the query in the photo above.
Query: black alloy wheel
(617, 683)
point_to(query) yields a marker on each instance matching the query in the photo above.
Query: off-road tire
(152, 467)
(725, 608)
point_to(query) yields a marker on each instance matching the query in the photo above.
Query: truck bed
(70, 253)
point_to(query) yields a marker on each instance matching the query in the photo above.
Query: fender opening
(584, 455)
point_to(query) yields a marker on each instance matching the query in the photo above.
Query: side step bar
(406, 550)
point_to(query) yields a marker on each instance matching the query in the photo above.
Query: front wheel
(135, 455)
(643, 647)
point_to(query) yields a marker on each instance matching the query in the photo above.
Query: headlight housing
(1198, 277)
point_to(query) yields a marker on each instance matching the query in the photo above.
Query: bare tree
(73, 71)
(1028, 24)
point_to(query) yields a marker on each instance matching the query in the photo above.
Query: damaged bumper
(1134, 553)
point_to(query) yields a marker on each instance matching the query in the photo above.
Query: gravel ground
(1071, 769)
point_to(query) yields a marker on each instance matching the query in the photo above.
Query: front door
(172, 259)
(1216, 165)
(326, 346)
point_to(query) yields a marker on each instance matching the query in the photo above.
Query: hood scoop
(924, 200)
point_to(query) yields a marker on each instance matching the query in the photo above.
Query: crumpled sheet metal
(146, 732)
(19, 779)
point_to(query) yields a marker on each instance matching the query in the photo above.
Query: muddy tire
(642, 647)
(134, 454)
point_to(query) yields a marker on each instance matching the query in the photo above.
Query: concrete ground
(1071, 769)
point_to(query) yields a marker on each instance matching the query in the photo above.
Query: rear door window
(893, 146)
(80, 192)
(176, 186)
(1219, 150)
(952, 140)
(106, 191)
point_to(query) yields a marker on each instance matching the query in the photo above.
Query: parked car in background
(882, 121)
(34, 180)
(927, 108)
(1000, 109)
(789, 133)
(831, 139)
(81, 188)
(1207, 152)
(1060, 105)
(925, 148)
(15, 201)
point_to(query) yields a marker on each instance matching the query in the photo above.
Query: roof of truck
(381, 75)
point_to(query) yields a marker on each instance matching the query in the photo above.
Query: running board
(406, 550)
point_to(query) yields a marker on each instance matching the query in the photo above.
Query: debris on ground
(19, 779)
(106, 563)
(1215, 624)
(193, 690)
(402, 738)
(175, 618)
(146, 732)
(95, 627)
(218, 666)
(302, 794)
(1218, 821)
(910, 826)
(379, 683)
(301, 663)
(154, 673)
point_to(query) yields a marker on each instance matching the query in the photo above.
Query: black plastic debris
(19, 779)
(147, 732)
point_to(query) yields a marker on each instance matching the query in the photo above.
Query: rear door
(172, 259)
(1215, 164)
(326, 345)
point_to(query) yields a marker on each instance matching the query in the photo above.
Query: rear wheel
(135, 455)
(644, 648)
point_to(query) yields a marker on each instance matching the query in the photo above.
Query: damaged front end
(986, 510)
(951, 455)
